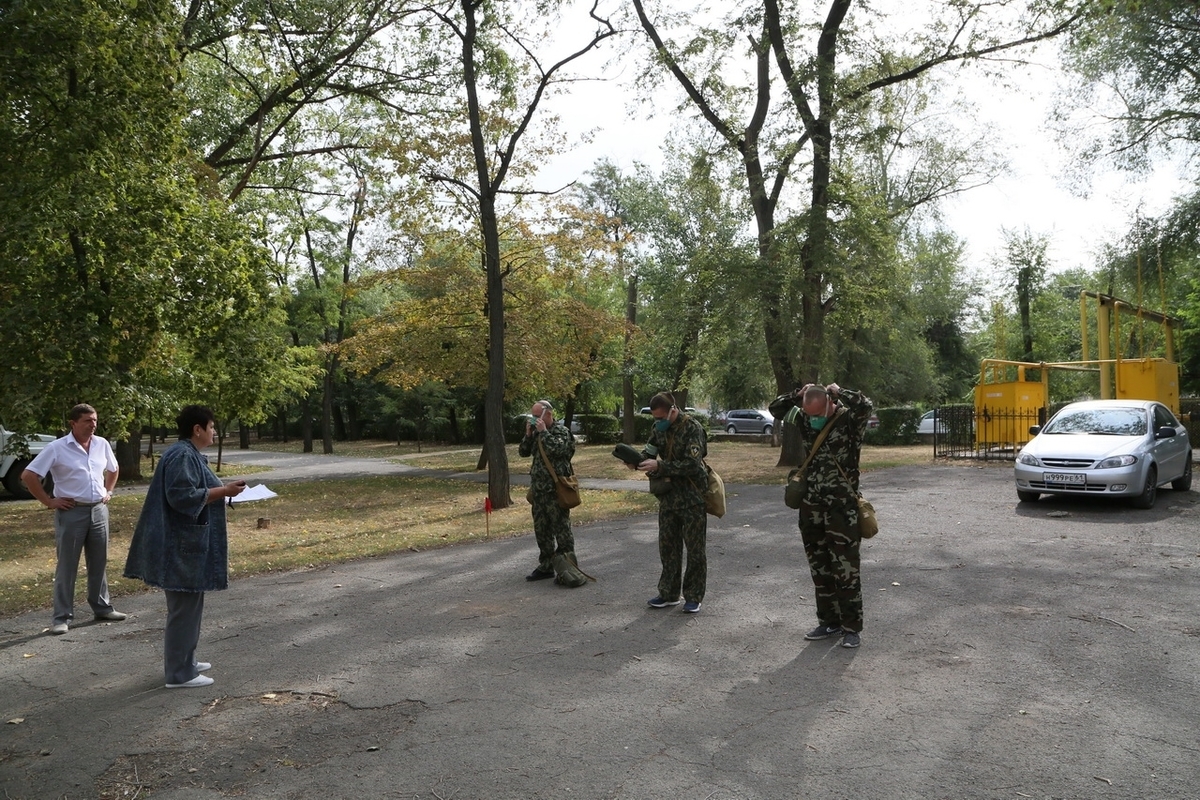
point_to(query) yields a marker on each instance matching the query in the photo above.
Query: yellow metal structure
(1008, 400)
(1005, 400)
(1148, 379)
(1139, 378)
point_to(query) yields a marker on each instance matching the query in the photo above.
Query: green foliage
(599, 428)
(897, 425)
(1138, 58)
(114, 265)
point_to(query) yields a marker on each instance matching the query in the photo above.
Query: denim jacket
(180, 542)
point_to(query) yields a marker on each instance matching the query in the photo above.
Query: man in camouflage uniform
(829, 508)
(551, 522)
(674, 461)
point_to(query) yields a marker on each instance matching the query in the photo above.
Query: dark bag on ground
(567, 571)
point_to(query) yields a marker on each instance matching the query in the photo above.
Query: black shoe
(822, 632)
(540, 574)
(851, 639)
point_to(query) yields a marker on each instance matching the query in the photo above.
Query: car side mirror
(1034, 430)
(1165, 432)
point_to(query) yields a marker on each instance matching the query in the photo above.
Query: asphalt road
(1010, 651)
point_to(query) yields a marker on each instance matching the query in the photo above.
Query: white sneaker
(203, 666)
(194, 683)
(58, 628)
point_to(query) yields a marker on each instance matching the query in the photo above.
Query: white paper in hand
(259, 492)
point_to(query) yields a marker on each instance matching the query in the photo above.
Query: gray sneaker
(822, 632)
(850, 639)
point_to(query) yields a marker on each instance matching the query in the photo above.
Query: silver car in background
(1106, 448)
(749, 420)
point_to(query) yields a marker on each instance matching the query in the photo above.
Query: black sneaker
(850, 639)
(658, 602)
(823, 632)
(540, 574)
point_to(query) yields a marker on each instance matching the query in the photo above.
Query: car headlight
(1117, 461)
(1028, 460)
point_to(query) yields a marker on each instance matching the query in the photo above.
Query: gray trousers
(82, 529)
(181, 635)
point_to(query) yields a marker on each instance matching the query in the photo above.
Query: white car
(12, 465)
(1106, 448)
(926, 424)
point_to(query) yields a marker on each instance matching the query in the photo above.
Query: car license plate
(1064, 477)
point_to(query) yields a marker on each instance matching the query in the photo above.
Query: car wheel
(1184, 482)
(1149, 492)
(767, 430)
(12, 481)
(731, 429)
(1028, 497)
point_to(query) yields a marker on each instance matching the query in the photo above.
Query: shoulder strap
(546, 458)
(821, 438)
(845, 477)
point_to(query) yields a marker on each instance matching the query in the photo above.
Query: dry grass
(324, 522)
(737, 462)
(321, 522)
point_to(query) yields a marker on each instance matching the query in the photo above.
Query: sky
(1031, 194)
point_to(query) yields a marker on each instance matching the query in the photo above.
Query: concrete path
(1011, 651)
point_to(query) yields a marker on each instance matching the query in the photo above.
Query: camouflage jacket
(680, 451)
(560, 449)
(824, 485)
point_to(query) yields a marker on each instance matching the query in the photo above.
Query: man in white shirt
(85, 473)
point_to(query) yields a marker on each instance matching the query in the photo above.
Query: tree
(498, 63)
(770, 144)
(1027, 264)
(109, 238)
(1138, 61)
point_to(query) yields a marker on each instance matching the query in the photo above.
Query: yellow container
(1149, 379)
(1004, 411)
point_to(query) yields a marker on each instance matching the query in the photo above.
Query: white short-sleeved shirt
(78, 474)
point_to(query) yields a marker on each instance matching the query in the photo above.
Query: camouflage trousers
(831, 543)
(680, 529)
(551, 528)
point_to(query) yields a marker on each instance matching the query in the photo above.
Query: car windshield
(1103, 421)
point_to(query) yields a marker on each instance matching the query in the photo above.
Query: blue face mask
(817, 422)
(661, 425)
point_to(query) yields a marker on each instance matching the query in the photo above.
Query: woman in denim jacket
(180, 542)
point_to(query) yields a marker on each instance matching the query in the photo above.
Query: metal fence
(994, 434)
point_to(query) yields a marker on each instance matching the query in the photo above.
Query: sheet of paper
(259, 492)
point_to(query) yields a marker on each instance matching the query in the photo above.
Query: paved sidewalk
(1007, 654)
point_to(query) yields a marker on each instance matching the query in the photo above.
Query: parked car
(748, 420)
(928, 423)
(1109, 448)
(12, 464)
(873, 421)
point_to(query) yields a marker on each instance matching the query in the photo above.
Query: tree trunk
(306, 428)
(128, 452)
(327, 410)
(631, 301)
